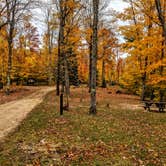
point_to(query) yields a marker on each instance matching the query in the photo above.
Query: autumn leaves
(144, 72)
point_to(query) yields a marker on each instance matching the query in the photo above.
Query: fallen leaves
(113, 136)
(16, 93)
(42, 147)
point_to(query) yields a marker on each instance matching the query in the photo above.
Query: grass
(117, 135)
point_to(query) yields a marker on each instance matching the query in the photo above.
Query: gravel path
(12, 113)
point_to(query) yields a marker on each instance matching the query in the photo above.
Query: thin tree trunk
(10, 52)
(93, 109)
(161, 91)
(67, 84)
(143, 87)
(50, 36)
(3, 69)
(103, 75)
(9, 67)
(50, 70)
(58, 67)
(60, 47)
(11, 20)
(90, 63)
(161, 16)
(144, 78)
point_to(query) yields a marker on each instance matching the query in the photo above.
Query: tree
(67, 43)
(161, 11)
(50, 37)
(88, 23)
(144, 66)
(14, 10)
(94, 57)
(107, 43)
(26, 52)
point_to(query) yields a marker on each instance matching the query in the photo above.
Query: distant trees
(80, 43)
(144, 71)
(107, 42)
(76, 45)
(20, 57)
(50, 38)
(12, 11)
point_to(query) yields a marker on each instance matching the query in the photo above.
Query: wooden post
(61, 104)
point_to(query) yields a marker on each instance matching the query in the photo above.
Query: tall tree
(62, 17)
(161, 11)
(68, 26)
(145, 47)
(51, 27)
(15, 9)
(106, 44)
(88, 23)
(93, 109)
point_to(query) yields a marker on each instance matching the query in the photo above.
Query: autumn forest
(137, 63)
(92, 57)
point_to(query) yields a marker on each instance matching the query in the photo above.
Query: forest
(65, 48)
(92, 57)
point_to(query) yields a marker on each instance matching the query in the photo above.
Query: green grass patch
(119, 137)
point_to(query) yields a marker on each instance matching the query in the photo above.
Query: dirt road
(12, 113)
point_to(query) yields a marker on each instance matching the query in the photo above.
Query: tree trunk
(9, 68)
(103, 75)
(143, 89)
(161, 16)
(60, 47)
(10, 52)
(90, 63)
(50, 36)
(94, 57)
(50, 82)
(144, 78)
(61, 104)
(58, 67)
(11, 26)
(67, 84)
(161, 91)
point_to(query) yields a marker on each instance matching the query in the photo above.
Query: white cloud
(118, 5)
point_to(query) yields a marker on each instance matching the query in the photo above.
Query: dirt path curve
(12, 113)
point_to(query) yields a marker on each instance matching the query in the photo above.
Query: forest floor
(121, 134)
(15, 107)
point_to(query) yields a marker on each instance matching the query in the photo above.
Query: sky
(118, 5)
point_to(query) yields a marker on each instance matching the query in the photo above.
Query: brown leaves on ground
(106, 97)
(117, 135)
(16, 93)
